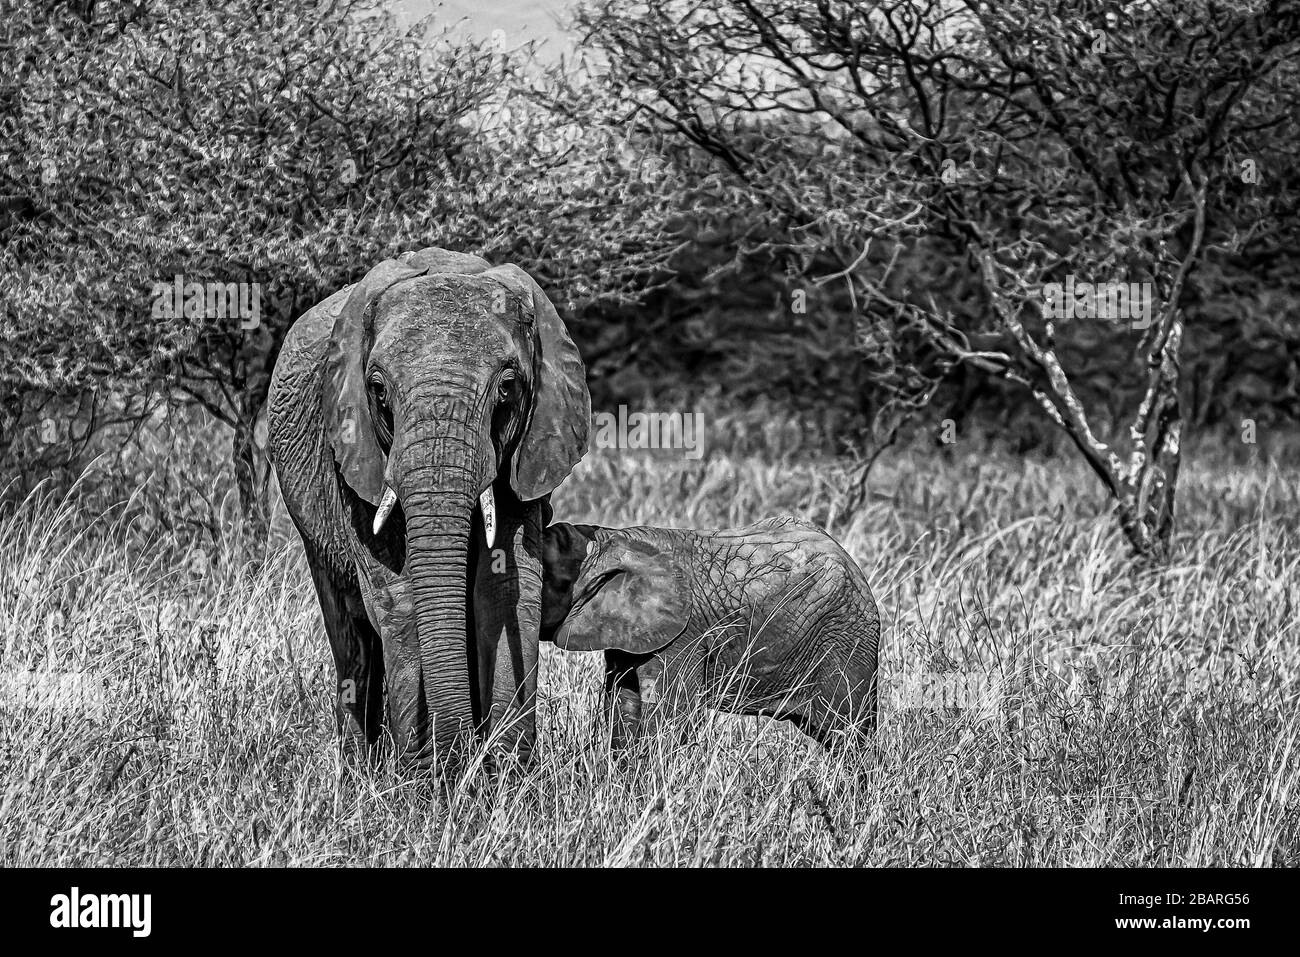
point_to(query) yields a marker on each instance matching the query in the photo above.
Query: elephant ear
(556, 434)
(631, 596)
(347, 411)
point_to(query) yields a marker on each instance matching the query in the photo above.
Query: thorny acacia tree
(951, 158)
(223, 144)
(288, 146)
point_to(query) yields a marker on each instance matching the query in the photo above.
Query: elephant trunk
(438, 509)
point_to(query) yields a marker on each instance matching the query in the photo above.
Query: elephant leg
(622, 700)
(507, 620)
(358, 659)
(844, 706)
(686, 685)
(391, 614)
(849, 695)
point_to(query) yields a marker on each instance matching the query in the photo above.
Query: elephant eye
(505, 385)
(379, 391)
(384, 413)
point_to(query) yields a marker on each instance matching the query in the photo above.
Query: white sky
(522, 20)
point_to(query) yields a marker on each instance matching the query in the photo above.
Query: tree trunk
(252, 385)
(252, 491)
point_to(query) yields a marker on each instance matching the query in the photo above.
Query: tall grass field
(166, 701)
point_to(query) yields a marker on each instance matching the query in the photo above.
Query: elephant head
(603, 591)
(450, 388)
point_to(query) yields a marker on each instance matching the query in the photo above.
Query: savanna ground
(1142, 716)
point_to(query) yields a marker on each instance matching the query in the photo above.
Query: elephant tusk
(488, 505)
(385, 507)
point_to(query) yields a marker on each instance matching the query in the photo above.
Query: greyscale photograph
(694, 434)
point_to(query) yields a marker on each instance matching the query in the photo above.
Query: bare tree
(947, 162)
(233, 148)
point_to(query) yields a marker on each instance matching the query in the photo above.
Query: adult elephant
(419, 420)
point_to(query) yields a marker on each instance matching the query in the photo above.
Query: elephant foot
(623, 701)
(360, 747)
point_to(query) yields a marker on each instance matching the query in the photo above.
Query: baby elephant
(771, 619)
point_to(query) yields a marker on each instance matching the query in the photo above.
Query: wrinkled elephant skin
(435, 399)
(771, 619)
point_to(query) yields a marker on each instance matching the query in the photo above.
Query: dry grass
(1143, 717)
